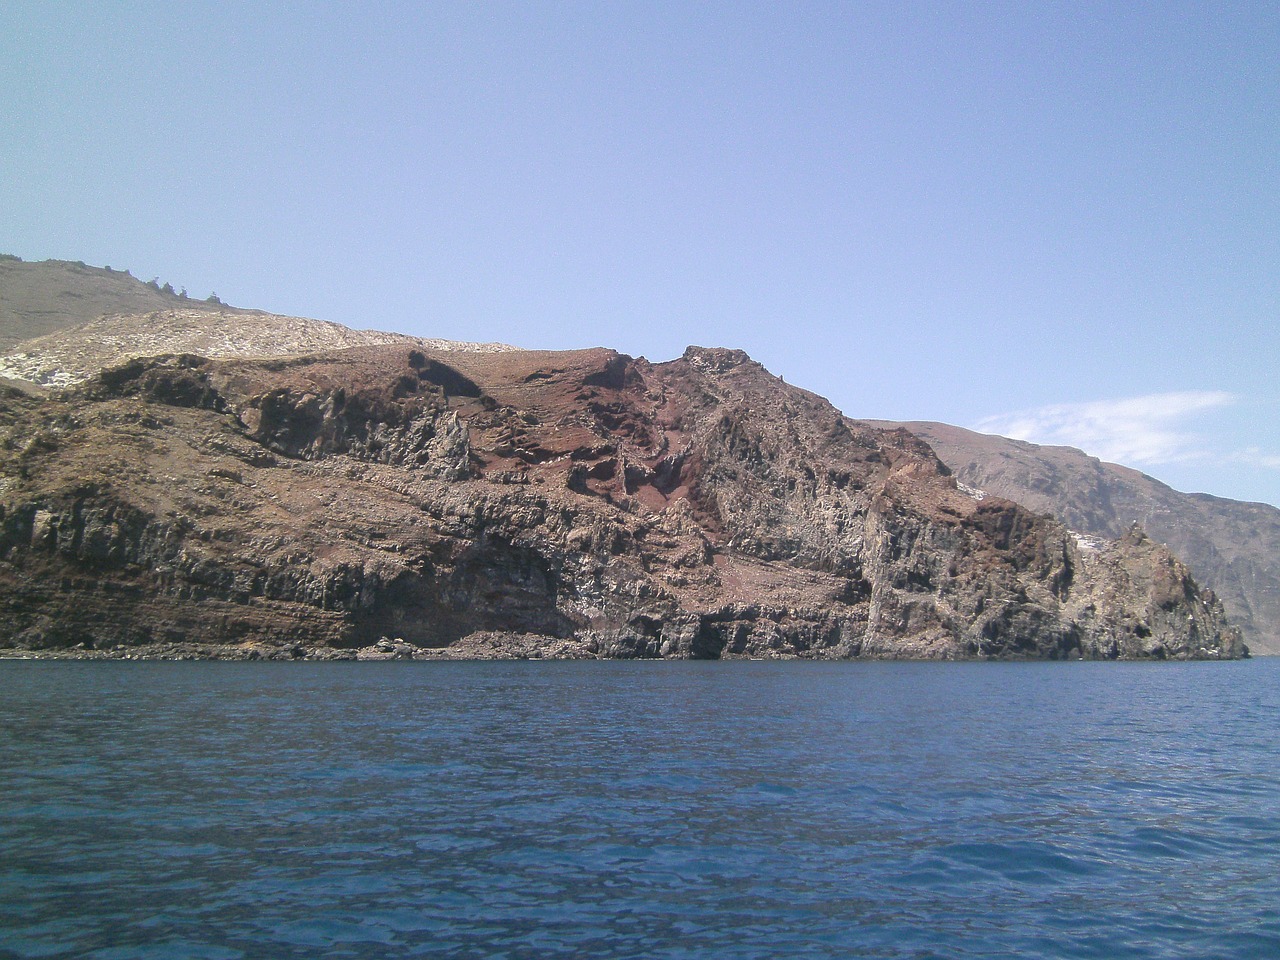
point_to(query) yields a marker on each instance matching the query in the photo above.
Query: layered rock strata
(577, 504)
(1232, 547)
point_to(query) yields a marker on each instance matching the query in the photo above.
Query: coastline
(479, 647)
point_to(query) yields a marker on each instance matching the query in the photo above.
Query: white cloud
(1149, 429)
(1256, 457)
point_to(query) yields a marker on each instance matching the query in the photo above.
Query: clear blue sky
(1058, 219)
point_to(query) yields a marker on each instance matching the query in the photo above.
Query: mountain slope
(583, 503)
(255, 485)
(76, 354)
(37, 299)
(1232, 547)
(61, 323)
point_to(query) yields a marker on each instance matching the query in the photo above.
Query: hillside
(530, 503)
(1232, 547)
(233, 483)
(61, 323)
(40, 298)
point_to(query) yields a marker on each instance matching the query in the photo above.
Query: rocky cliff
(581, 503)
(1231, 547)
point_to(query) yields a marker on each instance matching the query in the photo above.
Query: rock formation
(1231, 547)
(578, 503)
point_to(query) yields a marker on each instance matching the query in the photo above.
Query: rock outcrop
(577, 503)
(1231, 547)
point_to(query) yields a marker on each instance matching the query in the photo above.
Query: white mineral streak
(1085, 542)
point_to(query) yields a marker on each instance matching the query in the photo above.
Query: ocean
(639, 809)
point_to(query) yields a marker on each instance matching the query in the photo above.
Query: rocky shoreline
(492, 646)
(480, 646)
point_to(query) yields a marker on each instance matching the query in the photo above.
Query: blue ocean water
(656, 810)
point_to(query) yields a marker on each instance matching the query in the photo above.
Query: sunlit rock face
(1232, 547)
(532, 503)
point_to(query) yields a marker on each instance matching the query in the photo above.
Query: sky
(1058, 221)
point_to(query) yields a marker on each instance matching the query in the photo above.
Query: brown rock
(1231, 547)
(536, 504)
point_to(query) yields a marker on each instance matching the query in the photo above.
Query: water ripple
(600, 810)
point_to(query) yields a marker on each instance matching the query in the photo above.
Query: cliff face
(1231, 547)
(590, 503)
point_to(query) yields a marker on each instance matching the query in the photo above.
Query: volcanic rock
(529, 503)
(1232, 547)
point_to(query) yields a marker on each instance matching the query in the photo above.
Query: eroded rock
(533, 504)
